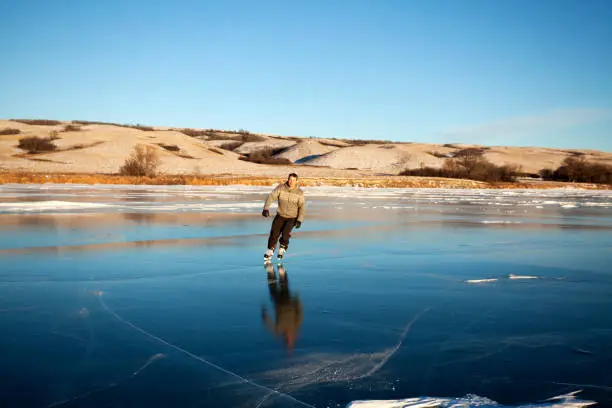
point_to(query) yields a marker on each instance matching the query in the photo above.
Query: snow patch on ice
(512, 276)
(481, 280)
(48, 205)
(500, 222)
(561, 401)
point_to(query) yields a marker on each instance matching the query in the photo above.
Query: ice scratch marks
(318, 369)
(198, 358)
(150, 361)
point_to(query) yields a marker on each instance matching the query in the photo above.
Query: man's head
(292, 180)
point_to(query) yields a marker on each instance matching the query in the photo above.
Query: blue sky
(506, 72)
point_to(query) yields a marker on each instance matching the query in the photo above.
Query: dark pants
(280, 227)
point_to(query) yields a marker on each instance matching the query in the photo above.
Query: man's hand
(298, 224)
(265, 213)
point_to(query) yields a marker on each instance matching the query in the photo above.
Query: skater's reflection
(288, 308)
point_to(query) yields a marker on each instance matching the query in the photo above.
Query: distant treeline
(472, 165)
(469, 165)
(578, 169)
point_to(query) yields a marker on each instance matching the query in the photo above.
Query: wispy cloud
(509, 129)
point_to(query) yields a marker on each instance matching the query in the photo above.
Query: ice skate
(268, 256)
(281, 253)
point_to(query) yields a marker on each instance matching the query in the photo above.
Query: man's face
(292, 181)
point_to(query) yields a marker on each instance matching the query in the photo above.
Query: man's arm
(273, 196)
(301, 209)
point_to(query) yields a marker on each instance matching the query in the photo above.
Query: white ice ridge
(237, 206)
(469, 401)
(500, 222)
(481, 280)
(38, 206)
(510, 276)
(188, 198)
(49, 205)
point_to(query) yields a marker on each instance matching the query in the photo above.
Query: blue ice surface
(169, 313)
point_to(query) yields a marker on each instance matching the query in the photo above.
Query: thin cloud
(506, 130)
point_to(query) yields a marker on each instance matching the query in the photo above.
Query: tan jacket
(291, 202)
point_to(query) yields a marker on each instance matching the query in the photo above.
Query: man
(290, 213)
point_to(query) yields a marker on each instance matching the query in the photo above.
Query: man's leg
(275, 231)
(286, 232)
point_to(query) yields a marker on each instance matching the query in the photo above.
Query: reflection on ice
(287, 307)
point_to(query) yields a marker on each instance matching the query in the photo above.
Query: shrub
(71, 128)
(266, 160)
(576, 168)
(363, 142)
(331, 144)
(439, 155)
(44, 122)
(249, 137)
(194, 132)
(91, 122)
(170, 148)
(468, 167)
(140, 127)
(9, 131)
(265, 157)
(231, 145)
(469, 152)
(144, 161)
(35, 144)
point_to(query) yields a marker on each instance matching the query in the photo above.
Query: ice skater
(290, 213)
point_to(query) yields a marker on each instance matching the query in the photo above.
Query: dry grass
(212, 149)
(81, 146)
(368, 182)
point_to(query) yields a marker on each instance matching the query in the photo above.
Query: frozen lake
(157, 296)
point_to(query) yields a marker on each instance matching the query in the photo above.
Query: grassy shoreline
(228, 179)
